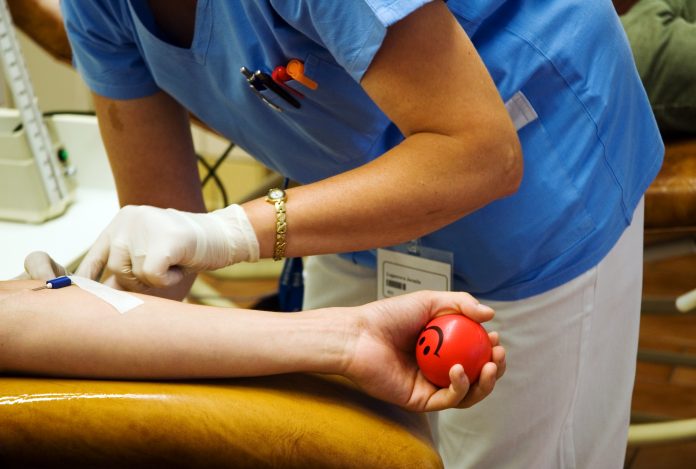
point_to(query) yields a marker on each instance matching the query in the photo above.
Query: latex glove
(40, 266)
(146, 246)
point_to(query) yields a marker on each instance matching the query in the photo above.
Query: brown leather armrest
(622, 6)
(283, 421)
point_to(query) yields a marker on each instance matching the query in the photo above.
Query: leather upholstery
(670, 202)
(284, 421)
(622, 6)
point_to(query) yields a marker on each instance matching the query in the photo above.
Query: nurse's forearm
(69, 332)
(421, 185)
(460, 153)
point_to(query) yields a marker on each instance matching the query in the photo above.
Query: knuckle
(127, 211)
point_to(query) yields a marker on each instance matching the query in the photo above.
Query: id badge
(410, 267)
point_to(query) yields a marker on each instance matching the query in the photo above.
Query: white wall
(56, 85)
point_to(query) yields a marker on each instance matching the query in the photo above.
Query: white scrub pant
(565, 399)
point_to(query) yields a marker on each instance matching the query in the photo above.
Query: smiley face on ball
(430, 342)
(449, 340)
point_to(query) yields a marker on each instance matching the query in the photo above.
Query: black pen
(270, 83)
(256, 86)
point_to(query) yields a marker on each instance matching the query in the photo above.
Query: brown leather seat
(670, 202)
(284, 421)
(670, 217)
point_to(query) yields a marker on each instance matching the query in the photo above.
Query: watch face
(276, 194)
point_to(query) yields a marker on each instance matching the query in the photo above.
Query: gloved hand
(40, 266)
(146, 246)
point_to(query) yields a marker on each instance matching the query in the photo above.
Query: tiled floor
(661, 391)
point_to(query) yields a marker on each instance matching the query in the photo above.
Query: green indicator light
(63, 155)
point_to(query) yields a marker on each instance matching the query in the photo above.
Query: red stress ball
(448, 340)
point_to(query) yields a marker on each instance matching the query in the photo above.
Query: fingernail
(483, 308)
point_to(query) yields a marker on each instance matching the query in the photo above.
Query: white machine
(36, 178)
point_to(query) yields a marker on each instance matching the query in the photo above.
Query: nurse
(496, 147)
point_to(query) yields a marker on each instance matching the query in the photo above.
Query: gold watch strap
(278, 197)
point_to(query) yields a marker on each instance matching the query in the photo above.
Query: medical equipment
(36, 181)
(120, 300)
(59, 282)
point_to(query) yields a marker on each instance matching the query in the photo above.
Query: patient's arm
(70, 332)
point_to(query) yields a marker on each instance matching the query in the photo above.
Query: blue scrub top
(589, 156)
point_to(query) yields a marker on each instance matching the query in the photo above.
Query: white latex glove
(39, 266)
(147, 246)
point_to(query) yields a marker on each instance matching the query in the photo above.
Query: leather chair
(670, 230)
(289, 421)
(670, 214)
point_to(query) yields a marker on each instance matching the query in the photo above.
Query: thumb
(39, 265)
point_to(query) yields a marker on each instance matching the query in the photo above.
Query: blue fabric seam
(359, 60)
(134, 91)
(209, 32)
(624, 208)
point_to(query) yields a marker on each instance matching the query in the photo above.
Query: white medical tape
(520, 110)
(120, 300)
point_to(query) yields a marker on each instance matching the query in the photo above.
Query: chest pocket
(338, 118)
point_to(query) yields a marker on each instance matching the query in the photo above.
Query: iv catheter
(58, 282)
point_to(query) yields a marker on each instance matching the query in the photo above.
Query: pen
(256, 87)
(269, 83)
(259, 81)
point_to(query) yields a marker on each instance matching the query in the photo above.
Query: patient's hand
(40, 266)
(384, 364)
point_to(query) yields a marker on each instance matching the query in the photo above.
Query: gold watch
(278, 197)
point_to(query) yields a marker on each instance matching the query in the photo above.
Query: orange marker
(295, 69)
(280, 76)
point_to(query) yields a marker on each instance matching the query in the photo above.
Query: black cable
(76, 113)
(214, 176)
(212, 170)
(58, 113)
